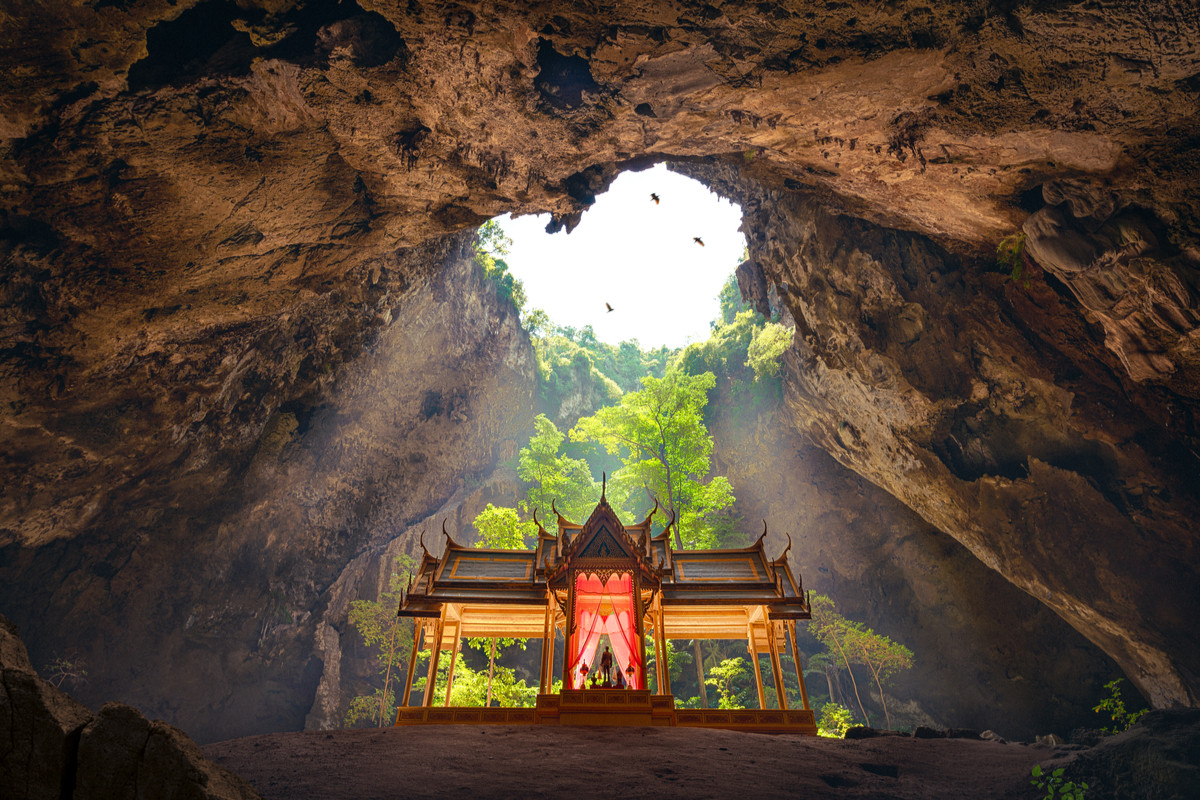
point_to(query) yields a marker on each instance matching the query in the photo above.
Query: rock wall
(53, 747)
(207, 616)
(216, 218)
(987, 656)
(989, 408)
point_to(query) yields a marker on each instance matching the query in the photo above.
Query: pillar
(799, 669)
(435, 652)
(753, 645)
(453, 658)
(776, 666)
(412, 666)
(547, 638)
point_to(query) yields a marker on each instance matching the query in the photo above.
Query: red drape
(605, 607)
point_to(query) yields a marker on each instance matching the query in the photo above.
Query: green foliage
(470, 688)
(725, 350)
(571, 360)
(730, 299)
(769, 343)
(490, 245)
(380, 629)
(1055, 785)
(849, 643)
(502, 529)
(665, 450)
(554, 477)
(1114, 705)
(1010, 257)
(70, 670)
(835, 720)
(731, 678)
(677, 661)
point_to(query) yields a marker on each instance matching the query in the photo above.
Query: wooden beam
(412, 666)
(753, 646)
(435, 652)
(450, 676)
(666, 666)
(776, 667)
(799, 669)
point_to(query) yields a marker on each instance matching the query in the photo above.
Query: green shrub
(768, 344)
(835, 721)
(1114, 705)
(1056, 786)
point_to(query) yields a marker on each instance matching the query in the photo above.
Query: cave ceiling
(209, 212)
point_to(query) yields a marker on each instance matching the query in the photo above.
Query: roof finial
(603, 486)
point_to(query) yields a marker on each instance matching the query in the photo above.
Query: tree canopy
(666, 451)
(552, 477)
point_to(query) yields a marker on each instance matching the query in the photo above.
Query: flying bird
(654, 197)
(698, 240)
(610, 308)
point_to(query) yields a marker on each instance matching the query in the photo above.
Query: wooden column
(435, 652)
(550, 660)
(640, 617)
(799, 669)
(776, 666)
(666, 665)
(568, 622)
(453, 658)
(658, 649)
(412, 666)
(753, 645)
(547, 638)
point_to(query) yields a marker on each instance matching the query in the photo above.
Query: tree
(71, 670)
(730, 299)
(491, 244)
(768, 344)
(666, 450)
(378, 626)
(835, 721)
(850, 642)
(499, 529)
(723, 676)
(552, 476)
(880, 655)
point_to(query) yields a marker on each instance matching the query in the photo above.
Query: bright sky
(635, 255)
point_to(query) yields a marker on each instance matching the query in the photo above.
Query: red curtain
(605, 607)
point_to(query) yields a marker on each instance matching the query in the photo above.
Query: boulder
(1156, 759)
(39, 727)
(53, 747)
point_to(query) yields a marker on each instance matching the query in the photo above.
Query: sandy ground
(617, 763)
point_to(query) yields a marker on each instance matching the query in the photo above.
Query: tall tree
(850, 642)
(380, 628)
(666, 450)
(499, 529)
(552, 476)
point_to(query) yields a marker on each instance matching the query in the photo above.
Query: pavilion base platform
(616, 708)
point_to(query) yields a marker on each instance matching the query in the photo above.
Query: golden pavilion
(605, 578)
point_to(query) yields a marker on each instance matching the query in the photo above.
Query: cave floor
(617, 763)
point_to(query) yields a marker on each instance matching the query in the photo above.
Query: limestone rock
(1156, 759)
(122, 754)
(53, 747)
(39, 727)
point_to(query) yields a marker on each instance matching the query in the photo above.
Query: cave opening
(656, 248)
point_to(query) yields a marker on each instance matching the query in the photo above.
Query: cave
(247, 358)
